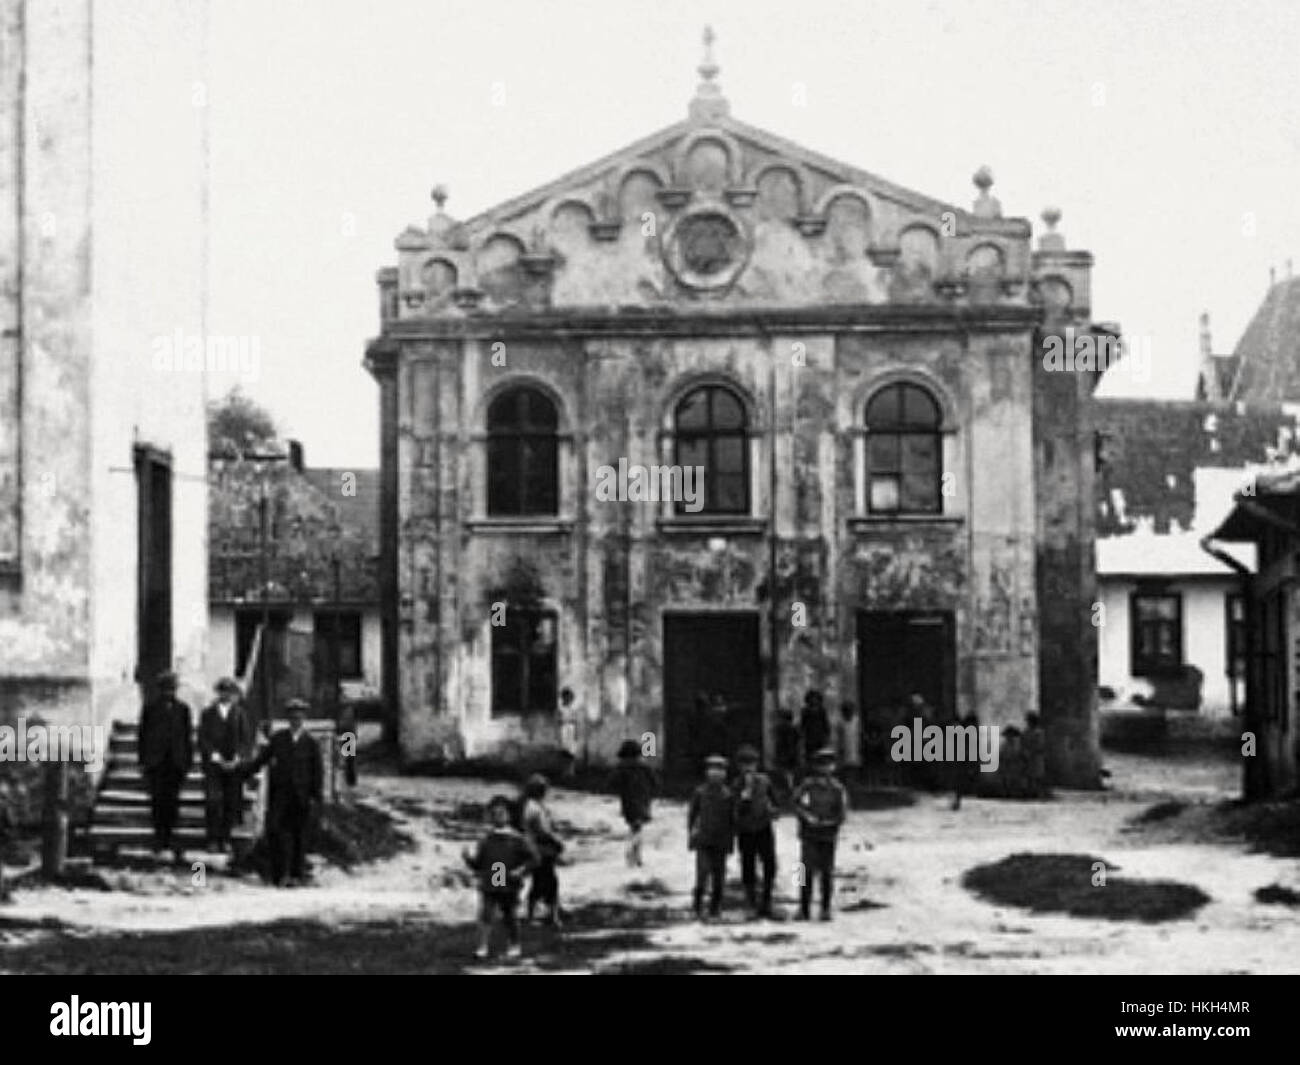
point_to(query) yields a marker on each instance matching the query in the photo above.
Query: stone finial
(440, 225)
(1051, 240)
(986, 206)
(709, 103)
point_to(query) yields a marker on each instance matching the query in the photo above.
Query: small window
(712, 432)
(346, 626)
(1157, 633)
(1235, 627)
(904, 452)
(523, 455)
(523, 663)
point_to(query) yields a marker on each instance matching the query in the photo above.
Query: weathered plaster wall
(149, 279)
(45, 610)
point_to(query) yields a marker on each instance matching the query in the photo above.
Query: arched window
(711, 432)
(904, 451)
(522, 455)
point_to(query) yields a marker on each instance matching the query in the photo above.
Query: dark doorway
(153, 475)
(902, 652)
(704, 654)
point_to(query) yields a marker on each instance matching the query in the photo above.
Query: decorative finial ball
(983, 179)
(1051, 215)
(439, 195)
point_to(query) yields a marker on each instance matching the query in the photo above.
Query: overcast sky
(1168, 133)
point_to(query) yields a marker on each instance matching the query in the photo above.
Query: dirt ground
(902, 905)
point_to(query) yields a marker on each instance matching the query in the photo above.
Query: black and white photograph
(651, 488)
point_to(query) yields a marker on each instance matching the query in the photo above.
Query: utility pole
(335, 699)
(263, 671)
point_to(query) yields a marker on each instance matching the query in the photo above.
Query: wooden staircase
(121, 815)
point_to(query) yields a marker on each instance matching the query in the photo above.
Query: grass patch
(1063, 883)
(1161, 811)
(1276, 893)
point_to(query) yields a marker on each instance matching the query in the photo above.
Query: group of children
(740, 812)
(725, 812)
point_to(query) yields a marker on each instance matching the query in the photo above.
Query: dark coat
(297, 773)
(230, 738)
(711, 818)
(165, 740)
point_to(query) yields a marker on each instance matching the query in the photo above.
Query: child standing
(821, 805)
(539, 830)
(502, 859)
(755, 812)
(711, 829)
(634, 783)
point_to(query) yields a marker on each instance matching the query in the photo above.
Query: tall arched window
(522, 454)
(904, 451)
(711, 431)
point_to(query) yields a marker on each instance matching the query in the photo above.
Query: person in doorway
(568, 721)
(821, 804)
(539, 829)
(846, 740)
(711, 831)
(966, 774)
(785, 752)
(166, 754)
(1034, 743)
(755, 813)
(296, 788)
(814, 725)
(224, 742)
(634, 784)
(711, 725)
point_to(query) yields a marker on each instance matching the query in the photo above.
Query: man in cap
(755, 812)
(294, 795)
(224, 740)
(821, 804)
(166, 752)
(711, 830)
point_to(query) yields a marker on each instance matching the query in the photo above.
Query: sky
(1168, 133)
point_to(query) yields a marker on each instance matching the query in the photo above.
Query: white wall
(149, 278)
(1204, 635)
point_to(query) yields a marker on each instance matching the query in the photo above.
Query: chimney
(1207, 348)
(295, 455)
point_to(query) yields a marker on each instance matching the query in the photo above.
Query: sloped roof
(313, 521)
(1269, 349)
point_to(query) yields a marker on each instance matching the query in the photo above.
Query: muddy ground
(920, 889)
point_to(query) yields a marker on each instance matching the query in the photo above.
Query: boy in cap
(755, 812)
(711, 829)
(540, 831)
(294, 793)
(634, 783)
(501, 860)
(821, 804)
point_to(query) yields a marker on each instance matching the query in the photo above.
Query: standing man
(224, 739)
(166, 752)
(814, 725)
(296, 786)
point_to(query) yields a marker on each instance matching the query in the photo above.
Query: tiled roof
(313, 520)
(1150, 451)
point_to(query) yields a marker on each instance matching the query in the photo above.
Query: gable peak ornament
(709, 103)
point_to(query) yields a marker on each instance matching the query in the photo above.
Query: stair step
(113, 796)
(129, 835)
(139, 815)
